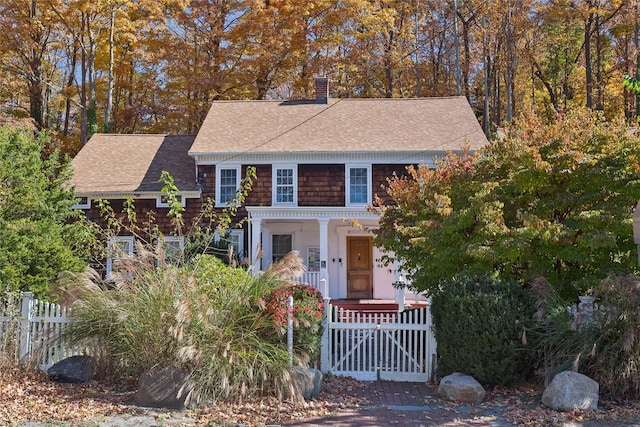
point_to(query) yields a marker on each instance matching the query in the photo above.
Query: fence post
(400, 288)
(26, 315)
(325, 346)
(290, 329)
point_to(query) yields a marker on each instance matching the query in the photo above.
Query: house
(318, 163)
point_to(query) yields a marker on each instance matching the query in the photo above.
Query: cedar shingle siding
(321, 185)
(379, 175)
(146, 209)
(260, 194)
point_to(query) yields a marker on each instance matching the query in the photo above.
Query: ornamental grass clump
(603, 344)
(203, 318)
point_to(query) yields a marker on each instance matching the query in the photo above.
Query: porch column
(255, 245)
(324, 249)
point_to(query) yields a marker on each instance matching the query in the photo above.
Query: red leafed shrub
(308, 315)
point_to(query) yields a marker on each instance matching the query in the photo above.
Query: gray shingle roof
(127, 164)
(353, 124)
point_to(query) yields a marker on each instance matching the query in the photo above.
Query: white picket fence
(366, 346)
(385, 346)
(33, 334)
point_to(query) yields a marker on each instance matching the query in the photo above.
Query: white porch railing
(310, 277)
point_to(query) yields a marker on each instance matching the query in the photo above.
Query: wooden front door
(359, 267)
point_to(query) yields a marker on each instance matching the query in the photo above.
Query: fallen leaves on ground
(30, 396)
(521, 406)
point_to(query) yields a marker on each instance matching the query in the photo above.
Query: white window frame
(81, 205)
(165, 239)
(239, 234)
(219, 169)
(163, 204)
(114, 241)
(347, 175)
(274, 185)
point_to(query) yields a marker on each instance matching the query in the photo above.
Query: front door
(359, 267)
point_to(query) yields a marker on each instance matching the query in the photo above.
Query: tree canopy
(36, 240)
(79, 66)
(549, 199)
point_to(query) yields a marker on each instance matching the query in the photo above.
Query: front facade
(319, 164)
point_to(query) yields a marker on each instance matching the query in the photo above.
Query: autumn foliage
(552, 199)
(77, 66)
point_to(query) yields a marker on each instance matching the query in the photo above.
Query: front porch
(335, 244)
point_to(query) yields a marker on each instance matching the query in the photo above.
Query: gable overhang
(94, 195)
(428, 157)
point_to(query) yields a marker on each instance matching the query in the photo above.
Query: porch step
(370, 310)
(367, 307)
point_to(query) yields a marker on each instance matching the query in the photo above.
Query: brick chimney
(322, 90)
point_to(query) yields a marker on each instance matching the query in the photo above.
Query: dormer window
(358, 185)
(163, 201)
(227, 184)
(82, 203)
(285, 188)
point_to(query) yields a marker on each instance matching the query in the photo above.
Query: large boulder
(571, 390)
(74, 369)
(461, 388)
(165, 388)
(309, 381)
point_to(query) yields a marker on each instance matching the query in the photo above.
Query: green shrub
(479, 324)
(604, 346)
(203, 317)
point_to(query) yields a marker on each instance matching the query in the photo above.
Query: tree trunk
(467, 57)
(485, 56)
(70, 78)
(587, 58)
(599, 98)
(109, 102)
(456, 41)
(510, 58)
(636, 39)
(36, 97)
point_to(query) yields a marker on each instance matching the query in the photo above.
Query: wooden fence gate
(385, 346)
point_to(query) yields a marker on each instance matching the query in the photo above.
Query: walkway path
(406, 404)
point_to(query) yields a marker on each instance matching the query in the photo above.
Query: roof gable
(341, 125)
(126, 164)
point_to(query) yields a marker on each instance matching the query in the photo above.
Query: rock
(571, 390)
(74, 369)
(461, 388)
(309, 381)
(165, 388)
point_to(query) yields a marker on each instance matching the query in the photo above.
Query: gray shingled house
(319, 162)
